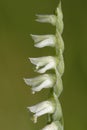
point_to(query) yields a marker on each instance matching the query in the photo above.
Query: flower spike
(53, 79)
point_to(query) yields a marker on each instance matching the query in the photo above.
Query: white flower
(53, 19)
(44, 40)
(53, 126)
(42, 108)
(46, 19)
(40, 82)
(44, 63)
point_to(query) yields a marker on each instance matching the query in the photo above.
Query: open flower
(44, 63)
(53, 19)
(42, 108)
(53, 126)
(46, 19)
(40, 82)
(44, 40)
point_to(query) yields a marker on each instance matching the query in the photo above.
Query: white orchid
(40, 82)
(53, 126)
(44, 63)
(46, 19)
(55, 20)
(44, 40)
(42, 108)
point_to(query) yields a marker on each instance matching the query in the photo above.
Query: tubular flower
(44, 63)
(52, 80)
(42, 108)
(53, 126)
(40, 82)
(46, 19)
(44, 40)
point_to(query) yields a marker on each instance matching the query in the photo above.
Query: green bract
(51, 79)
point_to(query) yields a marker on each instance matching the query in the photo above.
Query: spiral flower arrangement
(51, 80)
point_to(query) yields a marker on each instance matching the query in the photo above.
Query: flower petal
(49, 66)
(35, 81)
(46, 84)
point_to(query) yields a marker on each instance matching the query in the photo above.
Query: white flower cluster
(50, 80)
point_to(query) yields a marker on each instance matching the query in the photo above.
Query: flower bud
(59, 19)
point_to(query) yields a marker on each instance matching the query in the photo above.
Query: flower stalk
(53, 81)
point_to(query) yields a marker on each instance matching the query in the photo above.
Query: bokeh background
(16, 46)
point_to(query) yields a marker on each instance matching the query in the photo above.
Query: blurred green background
(16, 23)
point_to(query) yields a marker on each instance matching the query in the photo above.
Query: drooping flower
(44, 63)
(44, 40)
(42, 108)
(56, 125)
(40, 82)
